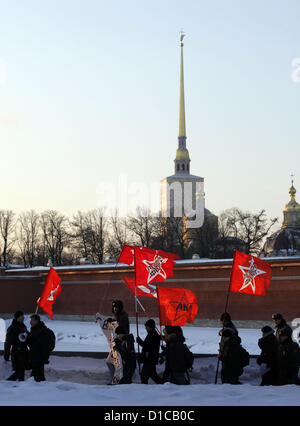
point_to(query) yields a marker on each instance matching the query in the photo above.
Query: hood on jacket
(119, 305)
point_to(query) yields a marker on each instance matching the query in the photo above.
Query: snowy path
(73, 336)
(81, 381)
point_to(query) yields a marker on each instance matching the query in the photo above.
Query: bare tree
(28, 236)
(252, 228)
(143, 227)
(7, 224)
(55, 234)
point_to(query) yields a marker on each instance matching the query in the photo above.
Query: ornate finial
(182, 35)
(292, 176)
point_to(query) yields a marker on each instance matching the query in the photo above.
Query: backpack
(188, 358)
(245, 357)
(51, 339)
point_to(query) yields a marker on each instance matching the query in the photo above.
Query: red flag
(127, 255)
(250, 275)
(51, 291)
(153, 265)
(176, 306)
(141, 290)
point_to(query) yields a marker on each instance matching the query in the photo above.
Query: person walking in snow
(231, 354)
(149, 355)
(16, 347)
(124, 344)
(268, 359)
(177, 356)
(38, 341)
(288, 358)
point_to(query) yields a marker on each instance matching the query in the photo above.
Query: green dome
(182, 155)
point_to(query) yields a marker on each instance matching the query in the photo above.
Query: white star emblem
(52, 293)
(154, 267)
(250, 274)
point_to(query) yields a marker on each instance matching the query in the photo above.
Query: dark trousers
(178, 378)
(230, 376)
(17, 375)
(38, 373)
(149, 372)
(269, 378)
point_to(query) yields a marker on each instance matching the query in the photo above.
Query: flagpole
(136, 309)
(226, 306)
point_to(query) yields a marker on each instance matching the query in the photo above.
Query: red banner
(177, 306)
(250, 275)
(51, 291)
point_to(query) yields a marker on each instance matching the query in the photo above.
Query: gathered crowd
(278, 362)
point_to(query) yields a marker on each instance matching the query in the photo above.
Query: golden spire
(291, 213)
(182, 131)
(292, 205)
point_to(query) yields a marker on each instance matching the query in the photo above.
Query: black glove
(139, 340)
(117, 341)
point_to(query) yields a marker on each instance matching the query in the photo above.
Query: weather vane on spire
(182, 35)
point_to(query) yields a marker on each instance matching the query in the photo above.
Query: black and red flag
(250, 275)
(177, 306)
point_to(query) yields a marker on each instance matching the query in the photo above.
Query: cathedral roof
(283, 242)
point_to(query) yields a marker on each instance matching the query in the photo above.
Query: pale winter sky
(89, 90)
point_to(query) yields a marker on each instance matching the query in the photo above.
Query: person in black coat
(280, 323)
(16, 346)
(38, 341)
(268, 357)
(176, 356)
(124, 344)
(164, 356)
(149, 355)
(288, 358)
(230, 354)
(120, 315)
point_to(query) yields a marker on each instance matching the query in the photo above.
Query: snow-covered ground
(82, 381)
(79, 336)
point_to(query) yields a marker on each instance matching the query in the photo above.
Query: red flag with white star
(177, 306)
(250, 275)
(153, 265)
(51, 291)
(141, 290)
